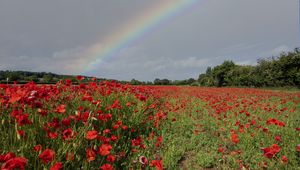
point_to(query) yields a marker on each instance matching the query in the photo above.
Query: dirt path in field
(183, 163)
(188, 162)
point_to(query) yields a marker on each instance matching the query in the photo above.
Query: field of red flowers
(106, 125)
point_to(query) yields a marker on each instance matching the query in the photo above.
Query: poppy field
(105, 125)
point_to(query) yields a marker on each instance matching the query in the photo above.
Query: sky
(140, 39)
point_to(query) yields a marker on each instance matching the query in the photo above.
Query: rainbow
(136, 29)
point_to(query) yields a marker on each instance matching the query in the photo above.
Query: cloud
(241, 47)
(73, 60)
(275, 51)
(246, 62)
(280, 49)
(68, 61)
(70, 40)
(266, 54)
(133, 62)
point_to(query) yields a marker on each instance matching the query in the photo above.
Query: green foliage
(220, 72)
(47, 78)
(135, 82)
(37, 77)
(280, 71)
(161, 81)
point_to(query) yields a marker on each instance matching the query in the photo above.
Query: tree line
(280, 71)
(9, 76)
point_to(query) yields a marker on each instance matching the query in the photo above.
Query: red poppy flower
(107, 167)
(7, 156)
(115, 105)
(42, 112)
(66, 122)
(104, 139)
(14, 163)
(22, 119)
(124, 127)
(234, 138)
(67, 134)
(136, 142)
(47, 156)
(56, 166)
(87, 97)
(68, 82)
(37, 148)
(284, 159)
(221, 149)
(298, 148)
(271, 151)
(15, 97)
(110, 158)
(278, 138)
(90, 135)
(52, 135)
(105, 149)
(79, 78)
(106, 131)
(159, 141)
(90, 154)
(157, 164)
(61, 109)
(113, 138)
(275, 122)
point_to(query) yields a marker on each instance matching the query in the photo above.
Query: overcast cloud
(56, 36)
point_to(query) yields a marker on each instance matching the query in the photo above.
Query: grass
(186, 149)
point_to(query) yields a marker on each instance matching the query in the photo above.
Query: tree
(162, 81)
(47, 78)
(157, 81)
(240, 76)
(165, 82)
(13, 76)
(283, 70)
(135, 82)
(33, 78)
(220, 72)
(190, 81)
